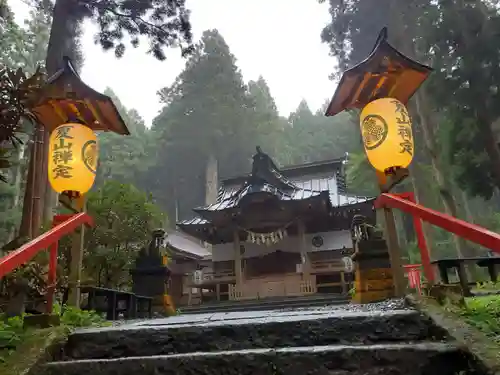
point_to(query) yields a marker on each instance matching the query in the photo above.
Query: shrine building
(276, 233)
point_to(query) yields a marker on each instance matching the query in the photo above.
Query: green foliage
(314, 137)
(468, 72)
(359, 172)
(124, 218)
(163, 23)
(352, 292)
(13, 333)
(125, 158)
(488, 286)
(16, 91)
(11, 39)
(73, 317)
(19, 47)
(484, 314)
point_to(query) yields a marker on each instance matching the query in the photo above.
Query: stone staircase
(277, 303)
(371, 339)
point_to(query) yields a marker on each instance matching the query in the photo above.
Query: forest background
(211, 117)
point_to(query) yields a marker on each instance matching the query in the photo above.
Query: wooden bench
(135, 306)
(444, 265)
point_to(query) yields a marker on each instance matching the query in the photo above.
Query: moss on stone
(486, 350)
(36, 347)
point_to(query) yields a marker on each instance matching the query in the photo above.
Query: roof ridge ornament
(264, 170)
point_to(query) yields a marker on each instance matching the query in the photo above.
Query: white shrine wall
(335, 240)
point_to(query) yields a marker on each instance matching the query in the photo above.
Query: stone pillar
(217, 291)
(306, 269)
(237, 260)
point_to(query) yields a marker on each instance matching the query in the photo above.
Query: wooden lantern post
(66, 98)
(385, 73)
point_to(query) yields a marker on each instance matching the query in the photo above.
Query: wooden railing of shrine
(62, 225)
(288, 285)
(474, 233)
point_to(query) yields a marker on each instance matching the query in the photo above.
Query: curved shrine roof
(310, 182)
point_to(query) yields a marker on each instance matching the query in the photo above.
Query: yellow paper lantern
(387, 134)
(73, 155)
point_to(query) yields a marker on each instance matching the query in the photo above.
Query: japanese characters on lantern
(387, 134)
(73, 156)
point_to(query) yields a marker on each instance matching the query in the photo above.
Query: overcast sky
(278, 39)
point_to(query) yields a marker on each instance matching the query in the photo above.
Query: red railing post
(422, 243)
(413, 274)
(52, 276)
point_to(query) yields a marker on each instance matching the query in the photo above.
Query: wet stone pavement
(267, 315)
(382, 338)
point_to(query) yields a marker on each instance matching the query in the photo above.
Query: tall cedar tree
(467, 88)
(207, 114)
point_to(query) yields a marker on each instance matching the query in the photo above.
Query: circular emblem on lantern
(89, 155)
(317, 241)
(374, 131)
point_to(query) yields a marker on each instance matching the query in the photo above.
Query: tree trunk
(481, 113)
(450, 206)
(468, 212)
(64, 34)
(418, 196)
(18, 178)
(211, 180)
(490, 144)
(211, 187)
(62, 41)
(25, 229)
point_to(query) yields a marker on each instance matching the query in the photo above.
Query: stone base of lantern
(374, 279)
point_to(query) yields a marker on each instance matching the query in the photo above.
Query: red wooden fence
(62, 225)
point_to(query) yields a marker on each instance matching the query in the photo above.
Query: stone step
(393, 359)
(265, 304)
(250, 330)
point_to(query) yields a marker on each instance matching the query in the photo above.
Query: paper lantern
(387, 134)
(73, 155)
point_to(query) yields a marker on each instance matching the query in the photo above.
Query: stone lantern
(150, 274)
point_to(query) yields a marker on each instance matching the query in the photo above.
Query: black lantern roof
(385, 73)
(66, 98)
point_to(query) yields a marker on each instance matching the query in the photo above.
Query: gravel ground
(392, 304)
